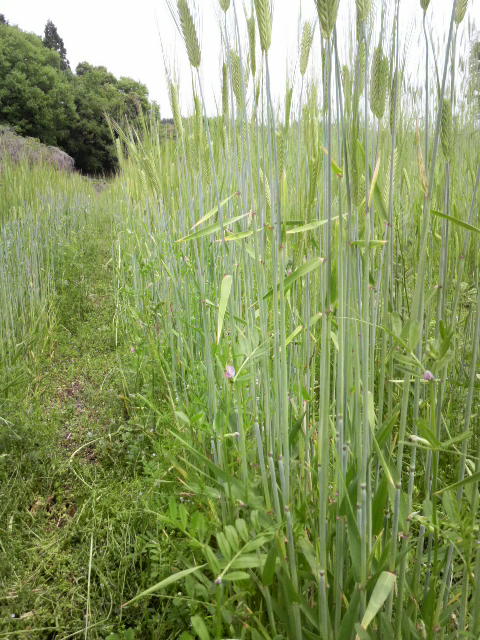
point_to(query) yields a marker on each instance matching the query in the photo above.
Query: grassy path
(69, 543)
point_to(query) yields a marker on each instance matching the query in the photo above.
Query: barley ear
(361, 67)
(288, 103)
(225, 100)
(236, 71)
(327, 14)
(251, 43)
(424, 4)
(175, 107)
(460, 10)
(198, 120)
(363, 9)
(264, 21)
(379, 82)
(446, 132)
(266, 189)
(305, 46)
(392, 98)
(224, 5)
(189, 33)
(347, 84)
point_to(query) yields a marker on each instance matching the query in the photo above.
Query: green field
(240, 381)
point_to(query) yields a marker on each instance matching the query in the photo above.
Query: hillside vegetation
(239, 387)
(41, 97)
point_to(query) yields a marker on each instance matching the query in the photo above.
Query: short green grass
(75, 537)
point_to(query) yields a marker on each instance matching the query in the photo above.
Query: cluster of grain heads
(224, 5)
(424, 4)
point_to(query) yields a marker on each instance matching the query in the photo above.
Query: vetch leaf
(200, 627)
(249, 561)
(236, 575)
(475, 477)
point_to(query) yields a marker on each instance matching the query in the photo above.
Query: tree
(38, 99)
(3, 20)
(53, 41)
(98, 94)
(35, 95)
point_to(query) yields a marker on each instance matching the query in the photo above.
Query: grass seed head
(327, 14)
(379, 82)
(237, 75)
(264, 21)
(392, 98)
(361, 67)
(251, 44)
(189, 33)
(460, 10)
(225, 98)
(446, 131)
(306, 46)
(363, 9)
(175, 107)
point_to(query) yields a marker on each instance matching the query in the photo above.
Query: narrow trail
(66, 532)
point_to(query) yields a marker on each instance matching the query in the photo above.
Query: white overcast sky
(124, 36)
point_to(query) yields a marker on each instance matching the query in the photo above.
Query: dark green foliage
(35, 95)
(41, 98)
(52, 40)
(98, 93)
(3, 20)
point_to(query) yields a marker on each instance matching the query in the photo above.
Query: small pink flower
(229, 372)
(428, 376)
(132, 350)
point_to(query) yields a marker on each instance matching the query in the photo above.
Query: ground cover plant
(262, 338)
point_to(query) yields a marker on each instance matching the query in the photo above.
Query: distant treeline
(40, 96)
